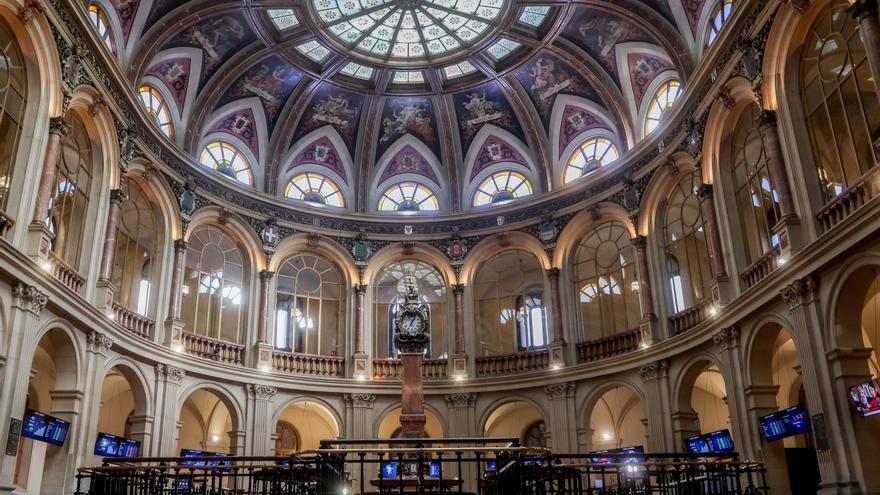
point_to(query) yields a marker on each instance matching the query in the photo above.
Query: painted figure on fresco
(217, 36)
(334, 110)
(480, 109)
(410, 117)
(547, 80)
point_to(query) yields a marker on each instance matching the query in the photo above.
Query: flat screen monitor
(491, 465)
(129, 448)
(45, 428)
(638, 449)
(108, 445)
(785, 423)
(389, 469)
(697, 445)
(773, 427)
(866, 397)
(434, 469)
(719, 441)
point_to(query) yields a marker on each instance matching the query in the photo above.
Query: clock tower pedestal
(412, 408)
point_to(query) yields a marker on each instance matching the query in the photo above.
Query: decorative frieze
(464, 399)
(29, 298)
(799, 292)
(260, 392)
(655, 370)
(360, 400)
(168, 373)
(727, 338)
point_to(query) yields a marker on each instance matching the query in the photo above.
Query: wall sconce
(635, 287)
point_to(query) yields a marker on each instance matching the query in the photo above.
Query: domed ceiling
(336, 101)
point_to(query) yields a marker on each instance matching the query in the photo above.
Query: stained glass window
(502, 186)
(155, 105)
(408, 196)
(228, 160)
(534, 15)
(357, 70)
(313, 50)
(719, 15)
(415, 29)
(283, 18)
(459, 69)
(589, 157)
(101, 23)
(663, 100)
(315, 188)
(408, 77)
(503, 48)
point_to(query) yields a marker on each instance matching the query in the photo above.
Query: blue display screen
(697, 445)
(491, 465)
(638, 449)
(44, 428)
(719, 441)
(785, 423)
(108, 445)
(200, 453)
(389, 469)
(434, 469)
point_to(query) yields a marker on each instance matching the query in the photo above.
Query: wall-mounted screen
(697, 445)
(44, 428)
(866, 397)
(108, 445)
(785, 423)
(202, 462)
(710, 443)
(638, 449)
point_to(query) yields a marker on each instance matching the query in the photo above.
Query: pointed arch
(293, 162)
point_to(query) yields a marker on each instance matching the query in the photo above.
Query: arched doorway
(518, 419)
(123, 409)
(616, 420)
(702, 403)
(208, 423)
(302, 426)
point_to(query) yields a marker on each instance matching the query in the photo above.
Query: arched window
(390, 289)
(662, 101)
(228, 160)
(213, 283)
(757, 202)
(101, 23)
(155, 106)
(594, 153)
(505, 185)
(13, 100)
(69, 204)
(136, 242)
(840, 100)
(689, 275)
(605, 278)
(408, 196)
(315, 188)
(309, 309)
(717, 18)
(509, 292)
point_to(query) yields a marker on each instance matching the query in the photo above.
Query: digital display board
(45, 428)
(108, 445)
(785, 423)
(638, 449)
(434, 469)
(389, 469)
(710, 443)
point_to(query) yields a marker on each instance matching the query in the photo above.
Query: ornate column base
(458, 366)
(648, 327)
(263, 356)
(361, 366)
(39, 243)
(557, 354)
(104, 296)
(720, 289)
(791, 238)
(173, 335)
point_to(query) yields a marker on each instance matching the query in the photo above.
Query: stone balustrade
(432, 369)
(519, 362)
(65, 273)
(761, 268)
(688, 318)
(307, 364)
(216, 350)
(850, 199)
(612, 345)
(134, 322)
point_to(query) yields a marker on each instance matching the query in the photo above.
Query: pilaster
(655, 376)
(259, 419)
(359, 410)
(168, 380)
(563, 416)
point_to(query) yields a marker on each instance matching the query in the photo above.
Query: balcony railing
(6, 223)
(307, 364)
(65, 273)
(690, 317)
(133, 322)
(612, 345)
(851, 199)
(432, 369)
(761, 268)
(217, 350)
(513, 363)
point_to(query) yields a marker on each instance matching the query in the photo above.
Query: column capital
(560, 390)
(655, 370)
(361, 400)
(266, 276)
(861, 9)
(461, 400)
(180, 246)
(118, 196)
(260, 392)
(360, 289)
(767, 118)
(799, 292)
(98, 342)
(457, 289)
(29, 298)
(553, 273)
(168, 373)
(639, 242)
(58, 125)
(704, 191)
(727, 338)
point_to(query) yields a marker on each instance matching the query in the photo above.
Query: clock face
(412, 322)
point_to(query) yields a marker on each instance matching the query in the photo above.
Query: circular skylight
(404, 30)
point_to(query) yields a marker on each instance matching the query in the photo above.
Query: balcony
(213, 349)
(689, 318)
(851, 199)
(136, 323)
(392, 369)
(519, 362)
(761, 268)
(307, 364)
(65, 273)
(612, 345)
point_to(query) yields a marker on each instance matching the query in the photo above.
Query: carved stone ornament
(99, 342)
(657, 369)
(57, 125)
(261, 392)
(33, 8)
(29, 298)
(361, 400)
(727, 338)
(560, 390)
(801, 291)
(118, 196)
(168, 373)
(464, 399)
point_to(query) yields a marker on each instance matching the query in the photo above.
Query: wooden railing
(513, 363)
(851, 199)
(612, 345)
(6, 223)
(688, 318)
(134, 322)
(432, 369)
(761, 268)
(65, 273)
(307, 364)
(217, 350)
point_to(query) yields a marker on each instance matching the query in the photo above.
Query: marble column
(359, 415)
(713, 235)
(263, 323)
(458, 297)
(555, 306)
(58, 129)
(865, 12)
(761, 401)
(260, 425)
(776, 162)
(360, 292)
(174, 302)
(82, 438)
(645, 295)
(117, 197)
(463, 424)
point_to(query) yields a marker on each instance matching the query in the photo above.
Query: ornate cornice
(29, 298)
(727, 338)
(655, 370)
(99, 343)
(260, 392)
(461, 400)
(560, 390)
(361, 400)
(800, 291)
(168, 373)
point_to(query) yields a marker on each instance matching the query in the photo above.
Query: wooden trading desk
(411, 485)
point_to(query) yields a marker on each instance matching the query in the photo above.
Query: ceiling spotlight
(215, 438)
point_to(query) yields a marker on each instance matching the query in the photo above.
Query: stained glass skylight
(459, 70)
(357, 70)
(313, 50)
(503, 48)
(534, 15)
(408, 77)
(283, 18)
(408, 29)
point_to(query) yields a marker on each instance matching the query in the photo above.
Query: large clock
(411, 321)
(411, 325)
